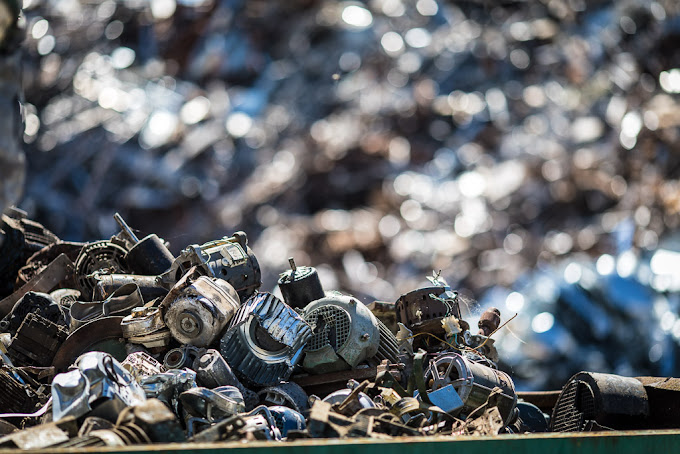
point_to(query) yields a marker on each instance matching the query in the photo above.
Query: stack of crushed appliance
(118, 342)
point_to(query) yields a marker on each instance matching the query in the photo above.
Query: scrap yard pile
(528, 150)
(118, 342)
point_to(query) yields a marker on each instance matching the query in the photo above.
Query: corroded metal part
(590, 400)
(198, 308)
(475, 383)
(142, 321)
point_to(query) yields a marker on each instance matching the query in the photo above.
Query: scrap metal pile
(119, 342)
(378, 140)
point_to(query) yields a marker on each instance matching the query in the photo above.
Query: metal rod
(126, 228)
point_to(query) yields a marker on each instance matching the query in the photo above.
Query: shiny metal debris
(141, 365)
(192, 362)
(98, 379)
(265, 340)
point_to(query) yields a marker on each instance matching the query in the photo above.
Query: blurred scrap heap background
(528, 149)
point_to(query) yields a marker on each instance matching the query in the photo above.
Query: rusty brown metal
(664, 400)
(57, 271)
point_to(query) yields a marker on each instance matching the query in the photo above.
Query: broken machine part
(198, 308)
(344, 334)
(265, 340)
(300, 285)
(149, 256)
(476, 384)
(229, 258)
(593, 401)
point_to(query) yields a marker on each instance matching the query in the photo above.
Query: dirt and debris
(204, 362)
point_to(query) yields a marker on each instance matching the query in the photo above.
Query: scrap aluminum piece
(228, 258)
(265, 340)
(42, 436)
(142, 321)
(446, 398)
(167, 386)
(198, 308)
(405, 339)
(98, 376)
(474, 383)
(345, 333)
(65, 297)
(158, 339)
(141, 365)
(213, 404)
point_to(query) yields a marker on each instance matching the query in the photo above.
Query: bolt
(365, 336)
